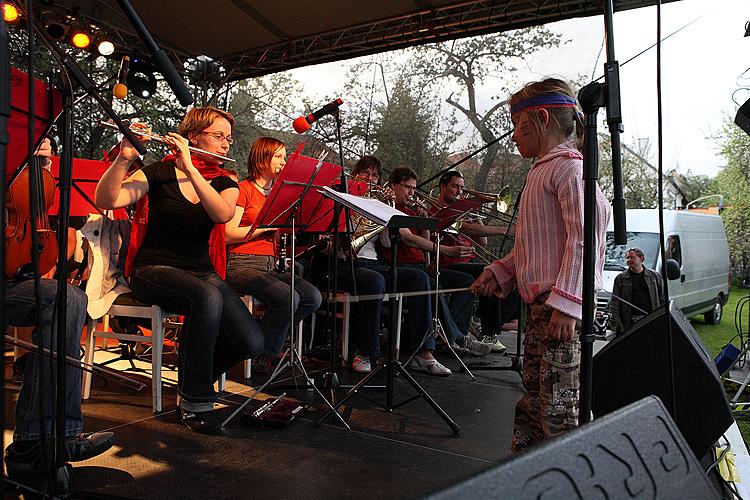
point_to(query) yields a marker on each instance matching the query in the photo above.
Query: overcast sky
(702, 67)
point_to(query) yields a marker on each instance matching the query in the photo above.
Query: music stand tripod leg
(437, 329)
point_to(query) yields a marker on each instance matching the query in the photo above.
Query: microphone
(302, 124)
(120, 90)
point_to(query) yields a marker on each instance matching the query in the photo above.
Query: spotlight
(141, 80)
(10, 13)
(79, 38)
(105, 47)
(55, 28)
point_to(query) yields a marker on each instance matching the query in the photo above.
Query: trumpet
(163, 140)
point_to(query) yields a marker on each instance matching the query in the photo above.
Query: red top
(404, 254)
(251, 200)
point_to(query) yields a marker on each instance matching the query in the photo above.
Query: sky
(703, 66)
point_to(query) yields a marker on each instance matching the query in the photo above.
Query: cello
(18, 240)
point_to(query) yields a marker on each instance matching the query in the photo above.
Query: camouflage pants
(551, 378)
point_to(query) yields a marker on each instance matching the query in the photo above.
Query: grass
(715, 337)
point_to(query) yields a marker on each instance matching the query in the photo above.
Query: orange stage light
(10, 13)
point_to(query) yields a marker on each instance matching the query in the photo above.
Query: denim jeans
(489, 311)
(255, 275)
(218, 332)
(410, 279)
(20, 308)
(455, 313)
(365, 315)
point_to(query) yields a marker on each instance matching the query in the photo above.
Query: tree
(734, 183)
(466, 65)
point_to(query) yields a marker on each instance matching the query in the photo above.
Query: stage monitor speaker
(636, 365)
(635, 452)
(742, 118)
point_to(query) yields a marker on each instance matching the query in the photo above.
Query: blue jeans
(255, 275)
(489, 311)
(218, 332)
(20, 308)
(455, 313)
(365, 315)
(410, 279)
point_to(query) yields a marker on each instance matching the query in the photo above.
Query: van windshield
(615, 254)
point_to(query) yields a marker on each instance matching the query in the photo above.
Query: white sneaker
(431, 366)
(494, 343)
(361, 364)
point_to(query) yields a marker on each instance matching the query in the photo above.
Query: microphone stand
(331, 379)
(592, 97)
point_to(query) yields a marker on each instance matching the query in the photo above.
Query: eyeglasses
(219, 137)
(407, 186)
(368, 175)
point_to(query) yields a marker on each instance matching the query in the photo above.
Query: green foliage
(734, 183)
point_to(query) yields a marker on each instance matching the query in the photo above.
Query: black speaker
(636, 365)
(635, 452)
(742, 118)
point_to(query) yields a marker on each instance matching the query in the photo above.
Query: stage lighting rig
(141, 80)
(10, 13)
(54, 25)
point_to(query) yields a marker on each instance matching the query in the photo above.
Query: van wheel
(713, 317)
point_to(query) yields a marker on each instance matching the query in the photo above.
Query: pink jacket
(548, 253)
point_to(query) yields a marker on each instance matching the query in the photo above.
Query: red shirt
(404, 254)
(251, 200)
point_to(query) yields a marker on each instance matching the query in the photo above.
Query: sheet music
(374, 210)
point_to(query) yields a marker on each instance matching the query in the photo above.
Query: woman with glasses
(177, 254)
(252, 255)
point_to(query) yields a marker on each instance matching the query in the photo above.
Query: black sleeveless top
(178, 230)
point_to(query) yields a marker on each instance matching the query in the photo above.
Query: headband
(543, 101)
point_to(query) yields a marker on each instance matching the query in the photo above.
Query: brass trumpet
(162, 139)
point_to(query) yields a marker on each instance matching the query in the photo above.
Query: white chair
(127, 306)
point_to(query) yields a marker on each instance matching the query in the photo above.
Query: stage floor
(404, 454)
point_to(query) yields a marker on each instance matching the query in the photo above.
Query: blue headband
(543, 101)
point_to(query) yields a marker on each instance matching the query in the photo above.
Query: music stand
(292, 203)
(446, 217)
(394, 220)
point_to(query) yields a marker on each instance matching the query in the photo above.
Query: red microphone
(302, 124)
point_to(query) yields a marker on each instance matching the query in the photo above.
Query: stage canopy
(256, 37)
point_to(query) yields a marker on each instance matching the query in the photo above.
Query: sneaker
(25, 461)
(430, 366)
(494, 343)
(461, 351)
(361, 364)
(475, 347)
(89, 445)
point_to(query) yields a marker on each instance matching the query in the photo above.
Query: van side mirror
(673, 269)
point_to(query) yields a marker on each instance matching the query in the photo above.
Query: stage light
(54, 26)
(105, 47)
(10, 13)
(141, 80)
(80, 39)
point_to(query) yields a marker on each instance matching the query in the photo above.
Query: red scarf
(217, 250)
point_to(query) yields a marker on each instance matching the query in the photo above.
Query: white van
(696, 241)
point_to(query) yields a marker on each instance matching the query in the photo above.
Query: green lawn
(716, 336)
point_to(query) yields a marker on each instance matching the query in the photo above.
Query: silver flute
(162, 139)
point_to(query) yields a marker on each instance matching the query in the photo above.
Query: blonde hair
(567, 120)
(260, 155)
(199, 119)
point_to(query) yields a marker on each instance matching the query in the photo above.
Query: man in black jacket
(637, 291)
